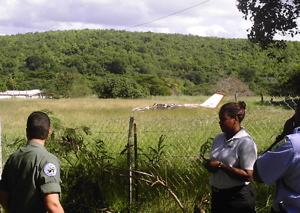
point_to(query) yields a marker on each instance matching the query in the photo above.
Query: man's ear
(49, 133)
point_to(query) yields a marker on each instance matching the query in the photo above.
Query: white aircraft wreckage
(211, 102)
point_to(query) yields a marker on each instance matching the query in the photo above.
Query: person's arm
(273, 165)
(52, 203)
(4, 200)
(247, 154)
(239, 174)
(256, 175)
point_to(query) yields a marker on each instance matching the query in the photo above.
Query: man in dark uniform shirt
(30, 180)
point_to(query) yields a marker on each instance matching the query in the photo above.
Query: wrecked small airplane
(211, 102)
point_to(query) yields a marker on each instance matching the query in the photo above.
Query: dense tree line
(124, 64)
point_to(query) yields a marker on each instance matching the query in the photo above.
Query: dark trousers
(240, 199)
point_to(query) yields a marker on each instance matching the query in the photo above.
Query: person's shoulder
(42, 153)
(245, 136)
(220, 135)
(52, 156)
(248, 138)
(294, 140)
(293, 137)
(49, 154)
(246, 142)
(49, 160)
(16, 153)
(219, 138)
(284, 144)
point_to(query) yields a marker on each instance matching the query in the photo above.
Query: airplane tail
(214, 100)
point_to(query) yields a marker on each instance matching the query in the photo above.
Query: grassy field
(185, 130)
(74, 112)
(93, 112)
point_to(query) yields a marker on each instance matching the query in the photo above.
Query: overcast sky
(217, 18)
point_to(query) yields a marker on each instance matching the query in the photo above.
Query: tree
(156, 85)
(177, 64)
(62, 84)
(117, 66)
(34, 62)
(270, 18)
(289, 84)
(3, 82)
(116, 86)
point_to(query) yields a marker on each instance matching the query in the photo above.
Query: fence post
(135, 146)
(129, 162)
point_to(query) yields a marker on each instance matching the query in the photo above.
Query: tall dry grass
(91, 111)
(190, 129)
(76, 112)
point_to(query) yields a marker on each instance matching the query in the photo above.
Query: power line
(169, 15)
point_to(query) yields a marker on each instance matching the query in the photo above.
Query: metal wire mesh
(169, 147)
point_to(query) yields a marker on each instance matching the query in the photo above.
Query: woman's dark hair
(235, 109)
(38, 125)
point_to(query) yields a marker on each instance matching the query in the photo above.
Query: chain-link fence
(159, 169)
(166, 151)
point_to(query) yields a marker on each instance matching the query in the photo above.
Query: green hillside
(110, 64)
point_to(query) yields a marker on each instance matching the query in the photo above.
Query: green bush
(119, 87)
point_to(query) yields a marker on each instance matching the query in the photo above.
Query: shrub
(119, 87)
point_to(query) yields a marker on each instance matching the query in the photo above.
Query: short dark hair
(235, 109)
(38, 125)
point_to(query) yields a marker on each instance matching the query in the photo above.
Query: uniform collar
(239, 134)
(33, 143)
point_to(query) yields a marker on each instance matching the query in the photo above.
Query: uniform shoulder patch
(278, 145)
(50, 169)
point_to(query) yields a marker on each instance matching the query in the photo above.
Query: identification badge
(278, 145)
(50, 169)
